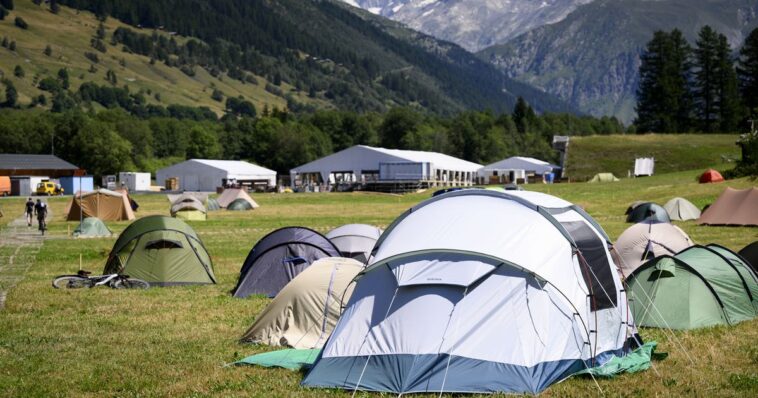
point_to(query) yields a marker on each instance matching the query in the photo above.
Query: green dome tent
(91, 227)
(212, 205)
(239, 204)
(163, 251)
(604, 177)
(698, 287)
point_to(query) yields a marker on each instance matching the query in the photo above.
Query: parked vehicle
(49, 188)
(5, 186)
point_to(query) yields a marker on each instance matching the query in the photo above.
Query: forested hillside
(325, 49)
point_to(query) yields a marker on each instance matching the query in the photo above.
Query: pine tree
(747, 72)
(11, 95)
(18, 71)
(727, 98)
(523, 115)
(12, 45)
(706, 85)
(4, 42)
(100, 33)
(48, 50)
(54, 6)
(3, 13)
(7, 4)
(650, 112)
(679, 76)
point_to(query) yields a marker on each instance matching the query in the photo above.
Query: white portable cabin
(362, 163)
(206, 175)
(479, 291)
(644, 166)
(134, 181)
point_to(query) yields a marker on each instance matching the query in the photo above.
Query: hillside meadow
(68, 34)
(175, 341)
(672, 152)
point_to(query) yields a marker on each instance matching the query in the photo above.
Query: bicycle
(83, 280)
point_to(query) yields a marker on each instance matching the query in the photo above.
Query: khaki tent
(163, 251)
(681, 209)
(604, 177)
(305, 312)
(188, 207)
(733, 207)
(102, 203)
(647, 240)
(232, 194)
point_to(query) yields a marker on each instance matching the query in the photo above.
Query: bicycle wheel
(129, 283)
(71, 282)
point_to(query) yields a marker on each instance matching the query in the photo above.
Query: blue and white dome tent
(480, 291)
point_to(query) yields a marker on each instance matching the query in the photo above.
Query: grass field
(590, 155)
(69, 34)
(175, 341)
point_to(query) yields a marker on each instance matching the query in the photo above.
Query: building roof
(522, 163)
(236, 167)
(33, 162)
(343, 160)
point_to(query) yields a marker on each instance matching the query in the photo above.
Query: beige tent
(188, 207)
(681, 209)
(201, 196)
(733, 207)
(104, 204)
(647, 240)
(231, 194)
(306, 310)
(604, 177)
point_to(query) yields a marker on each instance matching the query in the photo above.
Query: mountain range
(586, 52)
(472, 24)
(302, 54)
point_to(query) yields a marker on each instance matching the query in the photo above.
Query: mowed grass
(615, 154)
(175, 341)
(68, 34)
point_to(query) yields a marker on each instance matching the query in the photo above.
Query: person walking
(29, 211)
(40, 209)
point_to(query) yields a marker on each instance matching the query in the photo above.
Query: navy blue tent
(280, 256)
(645, 211)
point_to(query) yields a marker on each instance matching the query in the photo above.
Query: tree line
(115, 140)
(704, 88)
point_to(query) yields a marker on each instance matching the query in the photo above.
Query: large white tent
(361, 163)
(479, 291)
(207, 175)
(515, 167)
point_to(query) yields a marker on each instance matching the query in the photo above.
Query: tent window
(163, 244)
(600, 278)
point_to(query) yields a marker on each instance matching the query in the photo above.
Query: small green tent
(239, 204)
(604, 177)
(91, 227)
(163, 251)
(698, 287)
(212, 205)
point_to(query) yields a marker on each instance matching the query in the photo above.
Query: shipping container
(134, 181)
(72, 185)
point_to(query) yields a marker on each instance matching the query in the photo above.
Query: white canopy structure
(207, 175)
(479, 291)
(361, 163)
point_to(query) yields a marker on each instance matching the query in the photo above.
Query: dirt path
(19, 246)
